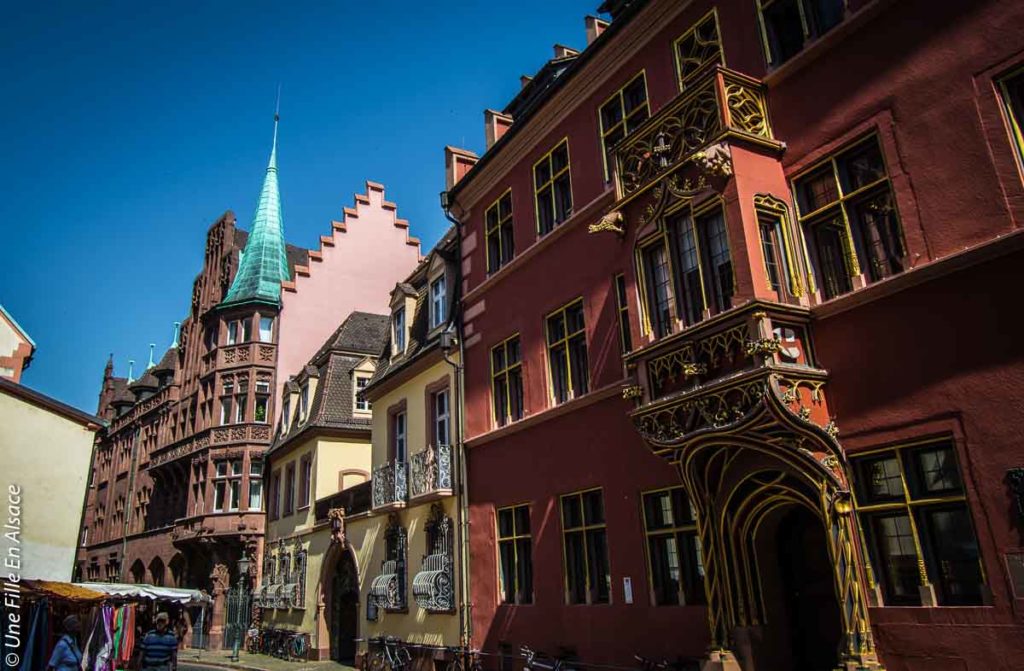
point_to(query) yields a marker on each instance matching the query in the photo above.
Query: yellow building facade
(407, 546)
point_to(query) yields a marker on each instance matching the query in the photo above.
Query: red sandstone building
(177, 484)
(741, 382)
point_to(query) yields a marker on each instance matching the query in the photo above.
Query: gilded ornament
(632, 391)
(613, 221)
(763, 346)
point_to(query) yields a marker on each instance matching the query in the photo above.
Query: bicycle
(459, 657)
(533, 661)
(396, 655)
(252, 640)
(298, 646)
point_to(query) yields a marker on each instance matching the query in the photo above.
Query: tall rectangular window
(774, 250)
(660, 296)
(438, 302)
(622, 311)
(717, 260)
(362, 405)
(515, 555)
(442, 418)
(266, 329)
(227, 485)
(305, 480)
(246, 329)
(585, 548)
(690, 287)
(552, 188)
(289, 489)
(507, 381)
(847, 210)
(304, 402)
(567, 352)
(788, 25)
(274, 502)
(914, 515)
(620, 115)
(225, 410)
(233, 328)
(673, 550)
(398, 330)
(255, 484)
(398, 446)
(499, 230)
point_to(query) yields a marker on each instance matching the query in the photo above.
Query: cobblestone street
(206, 659)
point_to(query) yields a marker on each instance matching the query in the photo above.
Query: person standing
(66, 655)
(159, 647)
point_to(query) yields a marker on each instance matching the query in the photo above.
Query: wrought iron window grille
(433, 587)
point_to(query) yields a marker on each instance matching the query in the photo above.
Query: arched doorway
(138, 572)
(156, 571)
(344, 609)
(178, 570)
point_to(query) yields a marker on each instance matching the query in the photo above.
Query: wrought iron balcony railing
(430, 472)
(723, 102)
(390, 485)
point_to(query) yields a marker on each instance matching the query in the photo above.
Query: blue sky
(129, 127)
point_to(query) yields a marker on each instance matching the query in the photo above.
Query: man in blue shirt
(66, 655)
(160, 646)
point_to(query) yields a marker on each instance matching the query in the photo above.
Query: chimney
(524, 80)
(562, 51)
(595, 27)
(457, 163)
(495, 125)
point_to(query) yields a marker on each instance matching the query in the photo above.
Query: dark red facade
(916, 356)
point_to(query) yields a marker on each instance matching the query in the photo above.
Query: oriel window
(515, 555)
(552, 188)
(673, 549)
(507, 381)
(255, 484)
(850, 220)
(688, 271)
(567, 353)
(916, 523)
(585, 548)
(660, 294)
(266, 329)
(500, 234)
(620, 115)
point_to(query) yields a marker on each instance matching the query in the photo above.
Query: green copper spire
(263, 264)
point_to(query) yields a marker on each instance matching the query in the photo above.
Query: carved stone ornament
(336, 516)
(614, 221)
(715, 161)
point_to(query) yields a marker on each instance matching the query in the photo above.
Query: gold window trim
(515, 549)
(674, 529)
(494, 374)
(584, 528)
(681, 82)
(551, 181)
(564, 341)
(496, 229)
(605, 132)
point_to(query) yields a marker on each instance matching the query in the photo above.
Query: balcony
(722, 103)
(390, 486)
(353, 500)
(430, 473)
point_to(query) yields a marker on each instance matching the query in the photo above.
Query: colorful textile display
(34, 652)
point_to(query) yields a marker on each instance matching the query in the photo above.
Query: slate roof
(147, 381)
(169, 361)
(121, 392)
(359, 337)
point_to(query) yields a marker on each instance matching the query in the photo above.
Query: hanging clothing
(126, 637)
(66, 655)
(99, 646)
(37, 642)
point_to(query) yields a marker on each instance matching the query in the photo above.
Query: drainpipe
(462, 491)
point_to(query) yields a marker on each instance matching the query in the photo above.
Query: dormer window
(303, 402)
(398, 330)
(286, 411)
(438, 302)
(362, 405)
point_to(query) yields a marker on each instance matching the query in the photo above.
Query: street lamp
(241, 625)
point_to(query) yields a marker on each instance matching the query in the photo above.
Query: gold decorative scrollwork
(613, 221)
(746, 109)
(763, 346)
(632, 391)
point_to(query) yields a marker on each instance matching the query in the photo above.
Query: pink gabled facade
(367, 252)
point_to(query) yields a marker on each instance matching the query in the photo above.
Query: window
(620, 115)
(847, 211)
(362, 405)
(286, 411)
(690, 289)
(787, 25)
(718, 263)
(622, 309)
(304, 402)
(266, 329)
(515, 555)
(673, 549)
(1012, 90)
(398, 446)
(273, 505)
(552, 188)
(241, 403)
(660, 296)
(499, 232)
(916, 523)
(507, 381)
(585, 544)
(227, 485)
(255, 485)
(567, 352)
(225, 410)
(305, 480)
(232, 332)
(398, 330)
(247, 330)
(772, 222)
(289, 489)
(697, 47)
(442, 417)
(438, 302)
(261, 408)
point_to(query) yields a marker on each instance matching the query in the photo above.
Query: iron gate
(238, 616)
